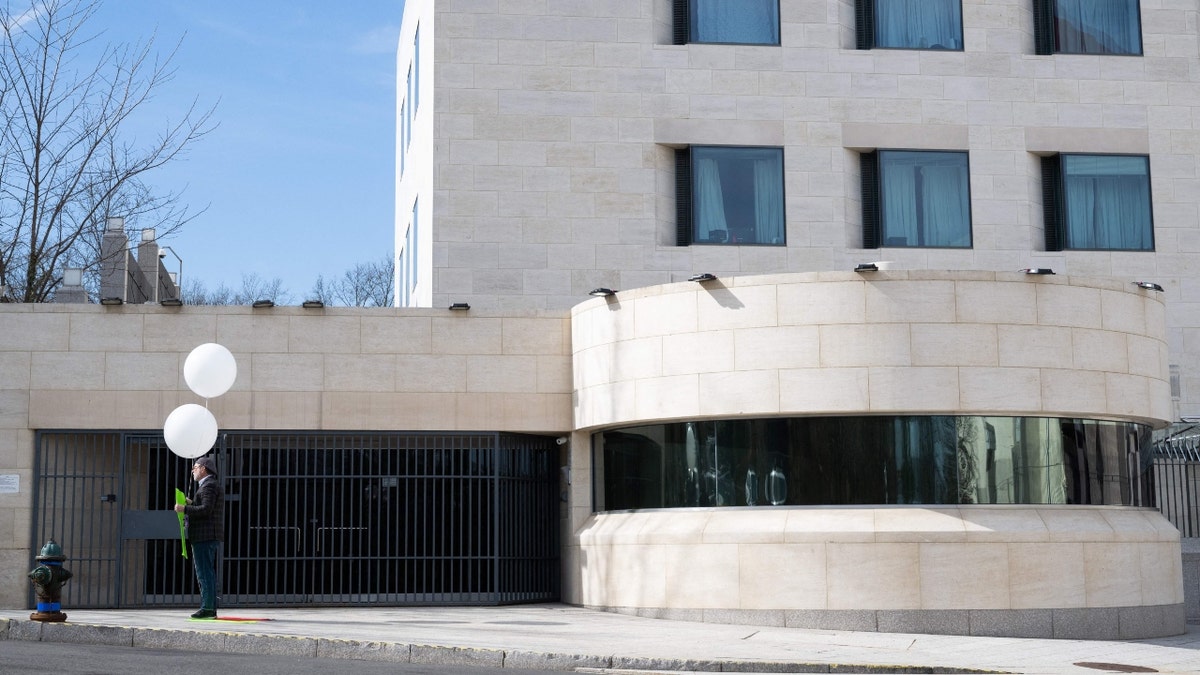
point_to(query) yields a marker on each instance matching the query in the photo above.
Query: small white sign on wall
(10, 483)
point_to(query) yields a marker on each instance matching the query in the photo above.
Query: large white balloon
(190, 430)
(210, 370)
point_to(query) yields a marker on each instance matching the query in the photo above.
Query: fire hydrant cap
(51, 551)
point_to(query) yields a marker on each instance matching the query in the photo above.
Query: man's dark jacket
(206, 513)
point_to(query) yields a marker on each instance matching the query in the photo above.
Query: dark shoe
(204, 614)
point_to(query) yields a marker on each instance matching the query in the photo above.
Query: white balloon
(210, 370)
(190, 430)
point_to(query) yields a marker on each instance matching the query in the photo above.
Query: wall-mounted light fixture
(1149, 285)
(312, 304)
(1038, 270)
(263, 304)
(867, 267)
(171, 302)
(602, 292)
(460, 307)
(110, 302)
(703, 277)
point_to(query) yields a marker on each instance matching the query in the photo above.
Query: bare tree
(254, 288)
(368, 284)
(65, 161)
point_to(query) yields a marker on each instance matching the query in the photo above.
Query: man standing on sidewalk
(206, 529)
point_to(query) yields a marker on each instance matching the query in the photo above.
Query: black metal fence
(1177, 480)
(311, 518)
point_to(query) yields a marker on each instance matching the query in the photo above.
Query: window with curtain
(1088, 26)
(731, 195)
(753, 22)
(916, 199)
(1097, 202)
(909, 24)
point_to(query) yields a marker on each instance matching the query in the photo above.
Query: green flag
(180, 499)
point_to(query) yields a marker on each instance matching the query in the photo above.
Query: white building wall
(555, 124)
(414, 155)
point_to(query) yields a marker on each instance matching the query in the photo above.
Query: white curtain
(768, 202)
(710, 204)
(1107, 203)
(946, 208)
(738, 21)
(925, 199)
(918, 24)
(900, 205)
(1097, 26)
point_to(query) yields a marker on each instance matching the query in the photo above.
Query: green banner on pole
(181, 499)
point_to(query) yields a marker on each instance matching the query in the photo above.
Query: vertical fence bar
(312, 518)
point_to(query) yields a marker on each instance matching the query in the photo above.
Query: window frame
(866, 29)
(1045, 13)
(685, 206)
(874, 217)
(682, 33)
(1054, 202)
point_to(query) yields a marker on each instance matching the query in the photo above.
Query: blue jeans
(204, 558)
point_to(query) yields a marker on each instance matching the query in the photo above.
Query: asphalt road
(29, 658)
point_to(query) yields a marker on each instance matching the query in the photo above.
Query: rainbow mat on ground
(235, 618)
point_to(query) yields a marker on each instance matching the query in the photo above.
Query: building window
(412, 246)
(416, 70)
(909, 24)
(1087, 26)
(409, 110)
(403, 132)
(750, 22)
(916, 199)
(1097, 202)
(729, 195)
(807, 461)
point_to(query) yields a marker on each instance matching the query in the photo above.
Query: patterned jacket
(206, 513)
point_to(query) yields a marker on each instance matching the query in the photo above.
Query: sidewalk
(555, 636)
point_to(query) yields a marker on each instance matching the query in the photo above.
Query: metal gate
(310, 518)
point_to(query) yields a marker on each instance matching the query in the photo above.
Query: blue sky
(298, 178)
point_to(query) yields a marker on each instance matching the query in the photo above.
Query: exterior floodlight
(171, 302)
(312, 304)
(460, 307)
(703, 277)
(1150, 286)
(1038, 270)
(263, 304)
(602, 292)
(111, 301)
(867, 267)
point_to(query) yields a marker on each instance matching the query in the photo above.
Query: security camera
(561, 440)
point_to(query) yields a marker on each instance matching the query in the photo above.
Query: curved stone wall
(918, 342)
(1047, 571)
(887, 342)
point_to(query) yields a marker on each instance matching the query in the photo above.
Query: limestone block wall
(1046, 571)
(553, 171)
(92, 367)
(920, 342)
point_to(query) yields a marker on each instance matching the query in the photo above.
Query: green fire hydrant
(47, 579)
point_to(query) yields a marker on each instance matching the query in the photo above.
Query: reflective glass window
(922, 199)
(736, 195)
(870, 460)
(909, 24)
(730, 21)
(1088, 26)
(1098, 202)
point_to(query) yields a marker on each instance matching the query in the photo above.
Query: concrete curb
(396, 652)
